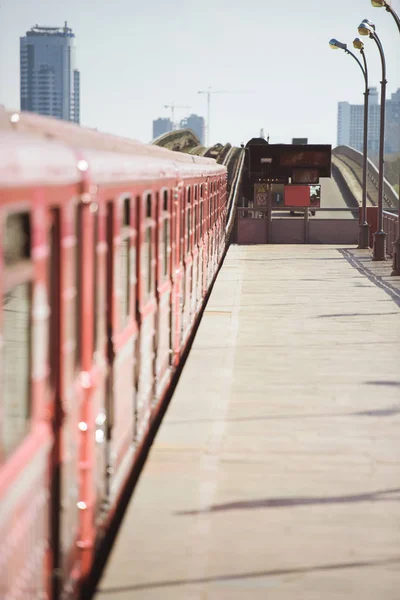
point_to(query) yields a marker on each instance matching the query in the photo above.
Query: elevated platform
(275, 473)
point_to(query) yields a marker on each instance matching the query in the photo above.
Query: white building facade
(350, 124)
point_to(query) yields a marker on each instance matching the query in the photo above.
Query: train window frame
(211, 205)
(165, 232)
(201, 215)
(188, 221)
(146, 242)
(96, 286)
(124, 252)
(17, 274)
(182, 208)
(78, 224)
(195, 216)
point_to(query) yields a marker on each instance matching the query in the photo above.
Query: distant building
(196, 124)
(392, 141)
(161, 126)
(350, 127)
(50, 81)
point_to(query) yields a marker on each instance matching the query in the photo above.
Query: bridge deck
(275, 473)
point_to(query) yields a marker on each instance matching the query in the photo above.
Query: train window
(125, 266)
(188, 223)
(146, 270)
(79, 274)
(97, 316)
(182, 228)
(195, 225)
(16, 333)
(109, 274)
(17, 239)
(166, 233)
(210, 210)
(53, 276)
(148, 241)
(201, 212)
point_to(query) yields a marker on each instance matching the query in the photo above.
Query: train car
(108, 248)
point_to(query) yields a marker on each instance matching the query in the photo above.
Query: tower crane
(209, 91)
(173, 106)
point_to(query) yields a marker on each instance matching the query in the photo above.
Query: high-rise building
(196, 124)
(350, 129)
(50, 81)
(161, 126)
(392, 129)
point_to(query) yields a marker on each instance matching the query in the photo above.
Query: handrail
(233, 194)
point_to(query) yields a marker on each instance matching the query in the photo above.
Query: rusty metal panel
(252, 231)
(287, 231)
(333, 231)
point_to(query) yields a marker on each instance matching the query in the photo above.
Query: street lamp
(363, 240)
(384, 4)
(396, 245)
(367, 28)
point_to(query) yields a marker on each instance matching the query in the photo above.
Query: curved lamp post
(363, 240)
(367, 28)
(384, 4)
(396, 245)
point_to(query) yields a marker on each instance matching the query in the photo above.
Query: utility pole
(173, 106)
(209, 92)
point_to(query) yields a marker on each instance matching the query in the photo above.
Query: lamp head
(366, 28)
(358, 44)
(378, 3)
(335, 44)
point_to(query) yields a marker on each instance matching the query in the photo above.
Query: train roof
(41, 149)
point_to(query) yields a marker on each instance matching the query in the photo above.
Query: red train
(107, 250)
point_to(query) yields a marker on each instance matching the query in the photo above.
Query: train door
(122, 340)
(195, 253)
(147, 313)
(188, 265)
(201, 248)
(55, 398)
(176, 273)
(25, 438)
(99, 367)
(164, 292)
(64, 314)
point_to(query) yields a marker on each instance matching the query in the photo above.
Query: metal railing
(390, 197)
(390, 225)
(250, 212)
(236, 179)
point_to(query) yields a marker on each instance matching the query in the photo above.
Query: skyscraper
(50, 81)
(196, 124)
(392, 141)
(350, 129)
(161, 126)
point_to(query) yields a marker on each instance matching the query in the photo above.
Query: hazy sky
(135, 56)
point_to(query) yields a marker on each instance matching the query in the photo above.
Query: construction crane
(209, 92)
(173, 106)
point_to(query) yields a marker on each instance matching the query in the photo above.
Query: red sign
(302, 195)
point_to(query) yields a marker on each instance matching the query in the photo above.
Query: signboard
(279, 162)
(302, 158)
(300, 141)
(260, 195)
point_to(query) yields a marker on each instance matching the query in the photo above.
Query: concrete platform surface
(276, 472)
